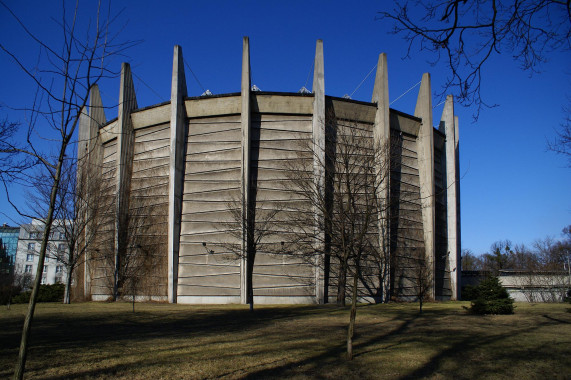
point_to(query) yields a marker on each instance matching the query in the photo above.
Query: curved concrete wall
(232, 147)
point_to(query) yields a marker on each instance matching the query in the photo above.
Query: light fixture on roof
(304, 90)
(207, 93)
(255, 88)
(346, 96)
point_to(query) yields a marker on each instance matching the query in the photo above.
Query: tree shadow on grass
(268, 352)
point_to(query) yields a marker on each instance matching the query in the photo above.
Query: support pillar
(318, 129)
(90, 161)
(447, 121)
(124, 168)
(178, 128)
(458, 224)
(381, 137)
(425, 148)
(245, 163)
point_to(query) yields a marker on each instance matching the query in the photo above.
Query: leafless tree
(465, 34)
(561, 144)
(422, 276)
(470, 261)
(77, 213)
(341, 221)
(248, 237)
(137, 272)
(12, 164)
(63, 86)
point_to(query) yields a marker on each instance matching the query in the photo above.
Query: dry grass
(102, 340)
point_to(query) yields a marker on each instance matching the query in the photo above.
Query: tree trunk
(249, 281)
(19, 372)
(66, 297)
(342, 284)
(352, 317)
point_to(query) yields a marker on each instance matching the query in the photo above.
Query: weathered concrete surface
(318, 129)
(246, 126)
(207, 151)
(178, 132)
(425, 143)
(451, 218)
(125, 141)
(382, 138)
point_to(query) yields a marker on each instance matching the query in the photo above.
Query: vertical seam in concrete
(381, 140)
(176, 169)
(318, 132)
(425, 144)
(245, 122)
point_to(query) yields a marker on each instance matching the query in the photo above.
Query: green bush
(491, 298)
(469, 292)
(47, 293)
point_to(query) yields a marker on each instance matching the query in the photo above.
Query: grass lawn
(106, 340)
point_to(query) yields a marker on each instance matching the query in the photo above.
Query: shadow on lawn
(455, 351)
(86, 330)
(374, 339)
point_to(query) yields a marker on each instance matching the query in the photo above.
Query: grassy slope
(99, 340)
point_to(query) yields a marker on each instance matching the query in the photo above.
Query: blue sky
(511, 188)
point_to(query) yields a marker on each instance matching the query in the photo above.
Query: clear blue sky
(511, 188)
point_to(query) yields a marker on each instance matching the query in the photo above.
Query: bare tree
(561, 144)
(63, 87)
(470, 261)
(256, 233)
(139, 269)
(422, 276)
(340, 224)
(465, 34)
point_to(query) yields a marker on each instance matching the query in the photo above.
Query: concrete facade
(178, 166)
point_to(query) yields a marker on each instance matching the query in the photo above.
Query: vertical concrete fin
(318, 129)
(83, 134)
(458, 219)
(93, 162)
(245, 162)
(82, 162)
(447, 123)
(178, 128)
(125, 144)
(381, 135)
(425, 147)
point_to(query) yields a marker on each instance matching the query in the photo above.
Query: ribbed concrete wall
(148, 206)
(211, 182)
(406, 215)
(244, 145)
(442, 268)
(276, 143)
(100, 266)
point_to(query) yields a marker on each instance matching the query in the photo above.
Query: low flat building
(536, 286)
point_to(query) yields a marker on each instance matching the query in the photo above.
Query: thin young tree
(64, 77)
(347, 235)
(422, 276)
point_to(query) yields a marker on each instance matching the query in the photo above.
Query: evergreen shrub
(47, 293)
(491, 298)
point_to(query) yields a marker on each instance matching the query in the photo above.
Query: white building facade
(28, 252)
